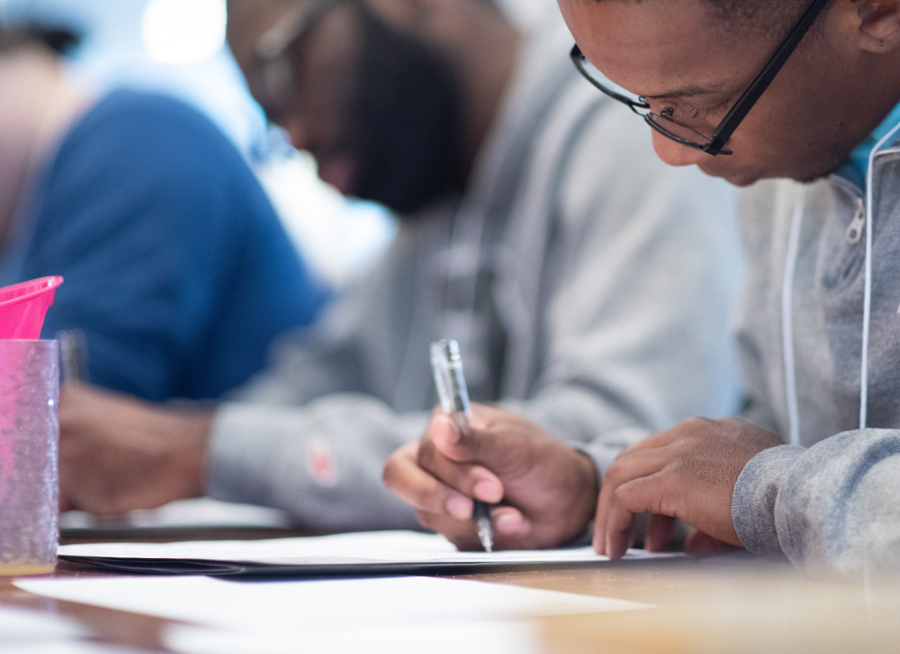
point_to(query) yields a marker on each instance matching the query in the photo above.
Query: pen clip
(446, 364)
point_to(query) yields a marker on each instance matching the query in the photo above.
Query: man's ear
(879, 25)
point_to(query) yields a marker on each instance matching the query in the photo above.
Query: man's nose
(675, 154)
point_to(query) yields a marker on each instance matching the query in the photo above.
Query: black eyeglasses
(274, 84)
(689, 136)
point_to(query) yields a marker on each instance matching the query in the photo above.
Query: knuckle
(422, 497)
(426, 454)
(627, 496)
(691, 426)
(427, 520)
(390, 474)
(614, 475)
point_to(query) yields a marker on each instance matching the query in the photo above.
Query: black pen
(446, 364)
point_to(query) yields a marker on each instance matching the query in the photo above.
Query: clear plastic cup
(29, 456)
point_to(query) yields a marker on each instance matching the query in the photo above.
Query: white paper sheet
(320, 606)
(195, 512)
(24, 631)
(494, 637)
(382, 546)
(21, 626)
(72, 647)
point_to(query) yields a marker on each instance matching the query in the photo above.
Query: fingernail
(487, 490)
(454, 434)
(459, 506)
(447, 430)
(508, 523)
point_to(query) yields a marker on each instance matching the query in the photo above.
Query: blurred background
(178, 47)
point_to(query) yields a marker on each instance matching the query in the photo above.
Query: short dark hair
(757, 14)
(734, 15)
(59, 40)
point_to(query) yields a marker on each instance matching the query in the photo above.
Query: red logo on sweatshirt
(319, 462)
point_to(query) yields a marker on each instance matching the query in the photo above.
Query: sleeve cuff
(322, 463)
(755, 493)
(237, 455)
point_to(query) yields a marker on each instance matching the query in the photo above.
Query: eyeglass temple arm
(749, 97)
(578, 59)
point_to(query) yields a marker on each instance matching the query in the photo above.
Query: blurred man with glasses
(749, 90)
(588, 284)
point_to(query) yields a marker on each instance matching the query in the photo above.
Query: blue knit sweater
(176, 266)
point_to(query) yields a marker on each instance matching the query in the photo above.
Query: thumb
(466, 444)
(468, 447)
(449, 439)
(494, 437)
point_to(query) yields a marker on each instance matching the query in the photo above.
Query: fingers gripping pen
(454, 396)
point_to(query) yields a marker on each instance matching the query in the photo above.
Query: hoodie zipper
(855, 228)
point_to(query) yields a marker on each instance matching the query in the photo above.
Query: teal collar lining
(859, 157)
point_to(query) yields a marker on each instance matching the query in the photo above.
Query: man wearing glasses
(587, 283)
(805, 90)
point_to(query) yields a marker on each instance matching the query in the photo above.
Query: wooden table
(728, 604)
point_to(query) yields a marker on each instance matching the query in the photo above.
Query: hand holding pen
(542, 493)
(446, 364)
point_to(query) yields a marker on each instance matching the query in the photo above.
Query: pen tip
(485, 535)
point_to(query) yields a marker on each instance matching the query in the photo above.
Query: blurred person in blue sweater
(177, 269)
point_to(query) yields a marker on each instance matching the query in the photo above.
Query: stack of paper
(376, 614)
(396, 615)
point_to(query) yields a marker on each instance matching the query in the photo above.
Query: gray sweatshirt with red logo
(589, 284)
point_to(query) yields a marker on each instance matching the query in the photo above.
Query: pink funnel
(23, 306)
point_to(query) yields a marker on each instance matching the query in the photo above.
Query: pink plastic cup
(23, 307)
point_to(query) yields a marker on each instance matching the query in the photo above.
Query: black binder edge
(252, 571)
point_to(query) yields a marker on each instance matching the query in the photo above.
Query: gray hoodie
(588, 283)
(830, 501)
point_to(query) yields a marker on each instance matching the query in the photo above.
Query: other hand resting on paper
(546, 492)
(688, 472)
(117, 453)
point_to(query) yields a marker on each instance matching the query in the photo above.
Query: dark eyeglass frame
(275, 59)
(744, 103)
